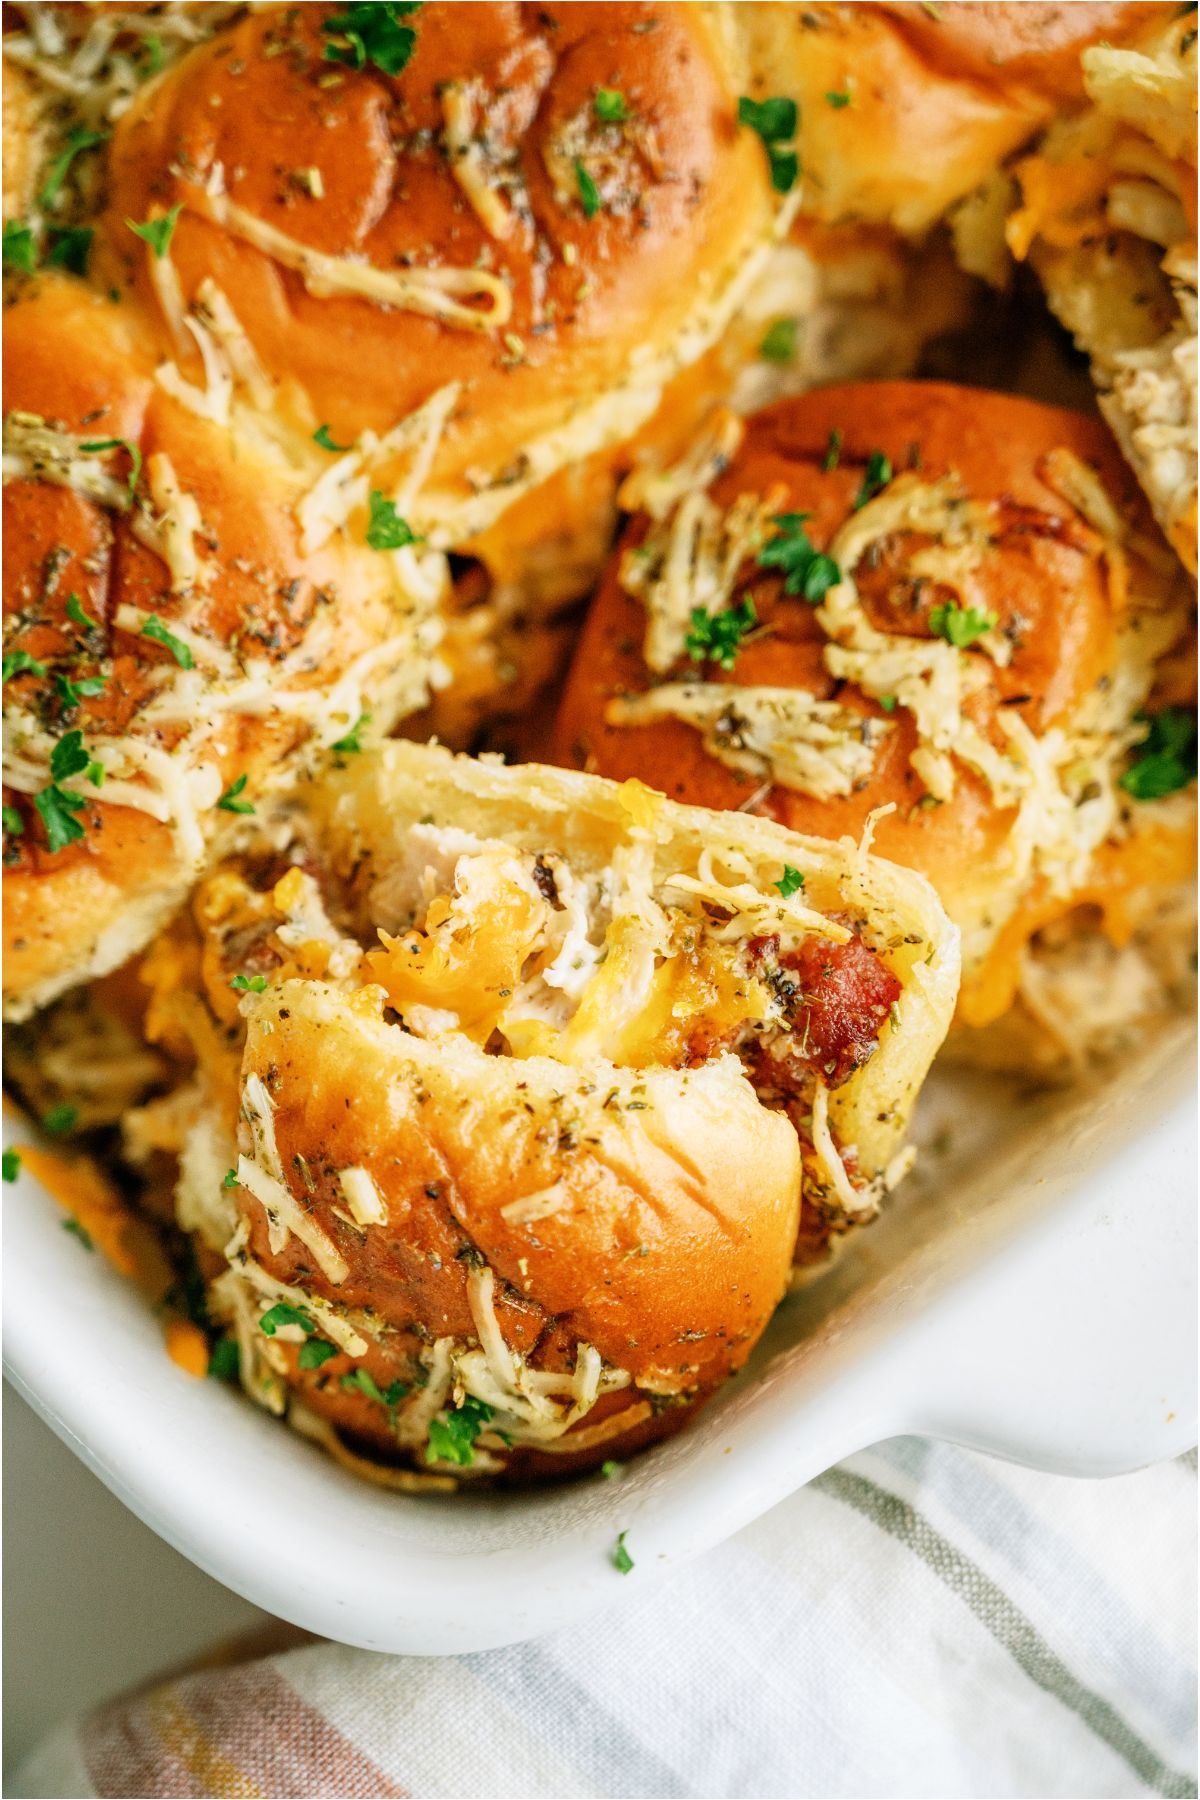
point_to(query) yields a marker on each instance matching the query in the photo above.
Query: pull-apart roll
(515, 1089)
(538, 215)
(952, 603)
(443, 270)
(175, 656)
(1107, 217)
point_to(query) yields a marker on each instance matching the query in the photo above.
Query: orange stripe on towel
(242, 1732)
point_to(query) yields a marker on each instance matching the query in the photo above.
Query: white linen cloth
(918, 1621)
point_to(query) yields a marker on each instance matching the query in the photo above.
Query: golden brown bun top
(928, 101)
(1029, 43)
(257, 583)
(667, 1255)
(1045, 577)
(260, 599)
(354, 163)
(351, 1092)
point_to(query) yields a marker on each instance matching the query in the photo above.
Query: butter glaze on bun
(558, 266)
(951, 510)
(287, 439)
(534, 1086)
(173, 629)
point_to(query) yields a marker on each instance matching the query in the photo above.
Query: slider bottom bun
(512, 1092)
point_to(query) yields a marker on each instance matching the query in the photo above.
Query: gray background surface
(93, 1602)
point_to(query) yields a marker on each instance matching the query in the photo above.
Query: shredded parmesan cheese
(426, 291)
(75, 53)
(835, 1169)
(284, 1214)
(461, 105)
(692, 564)
(168, 291)
(534, 1406)
(35, 451)
(269, 1186)
(540, 1205)
(338, 1324)
(363, 1197)
(343, 487)
(1108, 191)
(658, 491)
(786, 735)
(261, 1379)
(928, 676)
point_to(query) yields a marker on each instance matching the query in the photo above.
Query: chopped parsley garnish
(19, 662)
(229, 801)
(386, 530)
(249, 984)
(77, 615)
(589, 193)
(365, 1383)
(833, 451)
(71, 692)
(960, 625)
(612, 1470)
(13, 822)
(151, 50)
(622, 1560)
(807, 570)
(60, 1119)
(610, 106)
(314, 1351)
(224, 1360)
(69, 757)
(158, 232)
(1165, 760)
(79, 1231)
(135, 456)
(792, 882)
(371, 33)
(12, 1164)
(888, 702)
(56, 805)
(20, 247)
(350, 744)
(67, 247)
(78, 141)
(229, 1179)
(70, 249)
(321, 436)
(717, 637)
(57, 809)
(878, 474)
(775, 122)
(452, 1439)
(779, 343)
(284, 1314)
(159, 634)
(837, 101)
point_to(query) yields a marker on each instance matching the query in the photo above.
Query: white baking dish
(1031, 1292)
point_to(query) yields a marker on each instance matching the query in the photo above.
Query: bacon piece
(835, 997)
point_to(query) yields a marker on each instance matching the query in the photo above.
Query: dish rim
(926, 1347)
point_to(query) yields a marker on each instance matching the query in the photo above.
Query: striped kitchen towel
(918, 1621)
